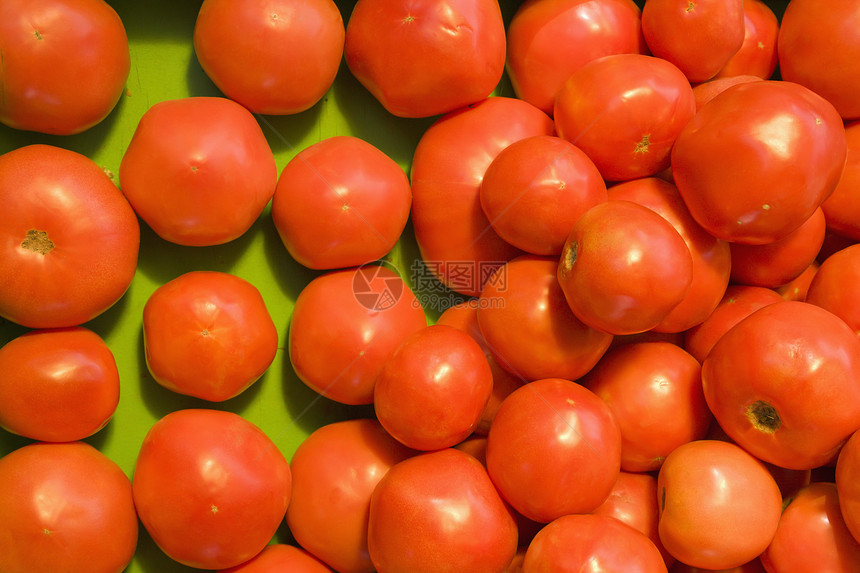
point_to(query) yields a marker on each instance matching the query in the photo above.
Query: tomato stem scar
(642, 146)
(763, 416)
(38, 242)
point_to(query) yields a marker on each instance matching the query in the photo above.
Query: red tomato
(706, 91)
(548, 41)
(788, 397)
(69, 241)
(334, 471)
(210, 487)
(208, 334)
(359, 316)
(280, 557)
(654, 389)
(813, 521)
(698, 37)
(439, 512)
(624, 268)
(778, 263)
(798, 287)
(592, 544)
(842, 207)
(65, 507)
(712, 261)
(65, 64)
(788, 142)
(427, 57)
(291, 62)
(757, 55)
(818, 47)
(554, 448)
(836, 286)
(625, 111)
(454, 237)
(198, 170)
(529, 327)
(719, 506)
(847, 478)
(753, 566)
(432, 390)
(535, 190)
(57, 385)
(339, 203)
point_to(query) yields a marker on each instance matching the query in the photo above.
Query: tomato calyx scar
(568, 257)
(763, 417)
(642, 145)
(37, 241)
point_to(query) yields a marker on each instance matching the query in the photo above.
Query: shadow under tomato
(290, 276)
(151, 559)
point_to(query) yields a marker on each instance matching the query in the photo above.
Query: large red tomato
(339, 203)
(788, 142)
(208, 334)
(784, 383)
(69, 241)
(421, 58)
(439, 512)
(842, 207)
(64, 64)
(757, 55)
(836, 286)
(198, 170)
(57, 385)
(549, 40)
(274, 58)
(65, 507)
(210, 487)
(455, 238)
(278, 557)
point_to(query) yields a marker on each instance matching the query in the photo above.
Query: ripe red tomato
(208, 334)
(57, 385)
(290, 64)
(788, 142)
(69, 241)
(624, 268)
(757, 55)
(698, 37)
(455, 239)
(334, 472)
(529, 327)
(339, 203)
(65, 507)
(719, 506)
(210, 487)
(753, 566)
(592, 543)
(432, 390)
(427, 57)
(798, 287)
(281, 557)
(836, 285)
(788, 397)
(847, 478)
(198, 170)
(548, 41)
(65, 64)
(359, 316)
(842, 207)
(654, 389)
(438, 512)
(554, 448)
(706, 91)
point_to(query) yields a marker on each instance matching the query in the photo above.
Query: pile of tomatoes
(628, 339)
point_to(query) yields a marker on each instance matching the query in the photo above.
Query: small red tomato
(757, 55)
(624, 268)
(836, 286)
(798, 287)
(57, 385)
(842, 207)
(281, 557)
(208, 334)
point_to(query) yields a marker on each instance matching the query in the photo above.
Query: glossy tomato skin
(208, 334)
(841, 209)
(438, 511)
(69, 239)
(757, 55)
(592, 543)
(529, 327)
(455, 239)
(340, 202)
(836, 285)
(789, 143)
(788, 397)
(198, 170)
(420, 59)
(347, 312)
(624, 268)
(548, 41)
(847, 478)
(210, 487)
(340, 461)
(706, 91)
(554, 448)
(57, 385)
(60, 503)
(281, 557)
(719, 506)
(65, 64)
(291, 62)
(625, 111)
(753, 566)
